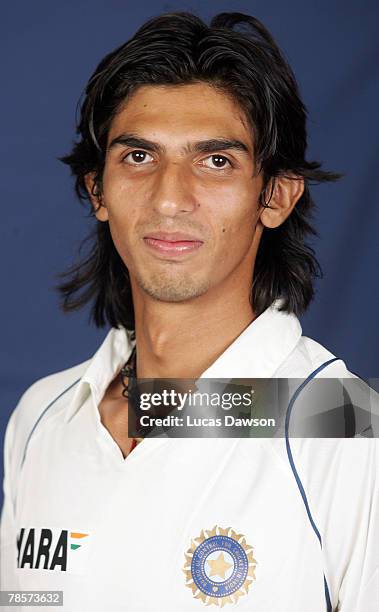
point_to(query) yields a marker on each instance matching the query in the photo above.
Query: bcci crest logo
(219, 566)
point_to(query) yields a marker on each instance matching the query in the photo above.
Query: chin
(168, 290)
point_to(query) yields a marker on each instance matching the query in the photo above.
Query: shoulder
(339, 405)
(33, 402)
(46, 389)
(307, 357)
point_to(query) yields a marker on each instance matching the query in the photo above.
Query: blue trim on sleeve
(294, 470)
(41, 415)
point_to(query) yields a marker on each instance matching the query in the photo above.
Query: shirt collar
(112, 354)
(256, 353)
(261, 348)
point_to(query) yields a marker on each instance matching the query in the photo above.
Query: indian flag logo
(76, 536)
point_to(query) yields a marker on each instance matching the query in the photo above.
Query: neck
(181, 340)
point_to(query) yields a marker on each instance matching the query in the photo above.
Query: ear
(286, 192)
(96, 197)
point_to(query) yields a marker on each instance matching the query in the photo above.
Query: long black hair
(236, 54)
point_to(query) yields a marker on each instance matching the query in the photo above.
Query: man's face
(181, 192)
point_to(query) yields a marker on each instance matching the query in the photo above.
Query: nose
(172, 193)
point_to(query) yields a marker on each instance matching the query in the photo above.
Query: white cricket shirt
(182, 523)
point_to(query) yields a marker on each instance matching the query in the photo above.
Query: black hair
(236, 54)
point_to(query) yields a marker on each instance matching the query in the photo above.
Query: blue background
(48, 51)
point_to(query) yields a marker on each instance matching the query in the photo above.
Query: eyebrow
(130, 140)
(202, 146)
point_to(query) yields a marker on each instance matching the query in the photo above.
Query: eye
(217, 162)
(137, 158)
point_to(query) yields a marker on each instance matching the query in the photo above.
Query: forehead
(190, 111)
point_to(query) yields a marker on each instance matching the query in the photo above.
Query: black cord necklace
(128, 371)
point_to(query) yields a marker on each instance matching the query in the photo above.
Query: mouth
(172, 244)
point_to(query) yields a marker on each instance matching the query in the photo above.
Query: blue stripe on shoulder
(41, 415)
(294, 470)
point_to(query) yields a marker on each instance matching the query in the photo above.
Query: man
(192, 152)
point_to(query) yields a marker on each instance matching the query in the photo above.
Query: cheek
(237, 218)
(118, 190)
(122, 220)
(127, 203)
(233, 242)
(235, 227)
(120, 202)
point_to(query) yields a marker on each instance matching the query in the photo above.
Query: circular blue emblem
(219, 566)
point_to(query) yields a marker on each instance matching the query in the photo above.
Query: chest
(144, 518)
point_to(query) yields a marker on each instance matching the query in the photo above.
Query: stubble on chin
(166, 288)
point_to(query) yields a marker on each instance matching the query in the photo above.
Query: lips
(174, 237)
(173, 243)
